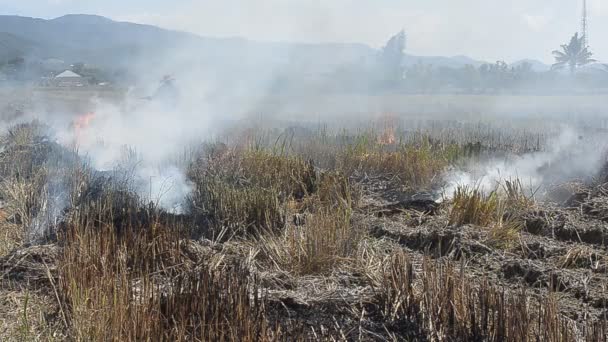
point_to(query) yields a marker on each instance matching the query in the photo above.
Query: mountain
(102, 41)
(88, 38)
(107, 43)
(12, 46)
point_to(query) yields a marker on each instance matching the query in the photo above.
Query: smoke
(143, 139)
(168, 186)
(221, 80)
(569, 156)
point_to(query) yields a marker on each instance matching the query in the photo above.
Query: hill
(105, 42)
(12, 46)
(102, 41)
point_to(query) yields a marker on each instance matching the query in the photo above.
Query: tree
(574, 54)
(496, 76)
(523, 73)
(391, 58)
(78, 68)
(470, 78)
(422, 77)
(15, 68)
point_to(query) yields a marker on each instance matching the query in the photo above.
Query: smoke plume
(568, 156)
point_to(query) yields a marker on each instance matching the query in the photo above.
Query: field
(388, 228)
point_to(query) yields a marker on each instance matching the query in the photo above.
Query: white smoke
(569, 156)
(144, 139)
(167, 186)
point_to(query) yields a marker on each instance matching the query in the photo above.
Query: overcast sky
(483, 29)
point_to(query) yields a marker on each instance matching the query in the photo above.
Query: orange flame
(387, 137)
(388, 126)
(81, 124)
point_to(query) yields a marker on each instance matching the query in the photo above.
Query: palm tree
(574, 54)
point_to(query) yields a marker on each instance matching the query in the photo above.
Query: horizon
(277, 170)
(474, 58)
(518, 32)
(282, 42)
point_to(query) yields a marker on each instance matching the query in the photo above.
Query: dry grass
(244, 192)
(505, 234)
(414, 165)
(474, 206)
(230, 211)
(517, 198)
(440, 303)
(11, 235)
(25, 197)
(25, 315)
(583, 256)
(122, 275)
(498, 212)
(127, 280)
(126, 270)
(263, 167)
(35, 178)
(326, 240)
(333, 190)
(413, 161)
(292, 176)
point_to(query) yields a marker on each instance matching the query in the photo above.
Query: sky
(483, 29)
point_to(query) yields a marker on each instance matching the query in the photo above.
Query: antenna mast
(584, 24)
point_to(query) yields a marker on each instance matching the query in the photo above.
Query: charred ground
(307, 236)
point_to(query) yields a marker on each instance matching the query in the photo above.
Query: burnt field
(396, 230)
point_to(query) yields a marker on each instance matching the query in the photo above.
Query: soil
(563, 248)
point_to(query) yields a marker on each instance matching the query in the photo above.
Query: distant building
(69, 78)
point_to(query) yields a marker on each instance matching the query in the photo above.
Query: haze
(488, 30)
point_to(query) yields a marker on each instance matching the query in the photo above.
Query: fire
(387, 137)
(81, 124)
(388, 127)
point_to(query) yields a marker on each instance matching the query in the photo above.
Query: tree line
(566, 74)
